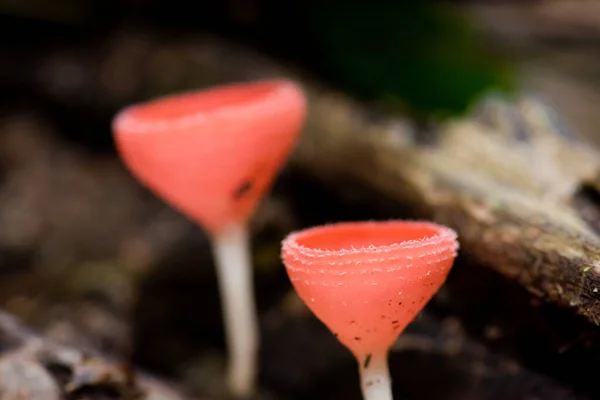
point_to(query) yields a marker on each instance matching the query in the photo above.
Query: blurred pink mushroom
(213, 155)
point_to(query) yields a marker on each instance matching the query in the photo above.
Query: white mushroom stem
(375, 380)
(233, 261)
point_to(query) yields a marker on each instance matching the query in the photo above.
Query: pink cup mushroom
(366, 281)
(213, 154)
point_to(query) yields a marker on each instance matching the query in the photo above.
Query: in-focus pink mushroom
(366, 281)
(213, 154)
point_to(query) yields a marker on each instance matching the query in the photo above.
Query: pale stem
(234, 272)
(375, 380)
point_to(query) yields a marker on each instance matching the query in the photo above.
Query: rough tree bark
(509, 181)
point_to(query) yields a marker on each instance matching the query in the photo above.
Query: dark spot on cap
(243, 189)
(399, 303)
(395, 321)
(353, 322)
(336, 334)
(357, 338)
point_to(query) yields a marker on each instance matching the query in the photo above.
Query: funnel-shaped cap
(368, 280)
(212, 154)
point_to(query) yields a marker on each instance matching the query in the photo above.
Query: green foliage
(424, 57)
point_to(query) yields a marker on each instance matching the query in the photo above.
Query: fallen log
(508, 180)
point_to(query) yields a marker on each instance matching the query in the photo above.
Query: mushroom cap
(212, 154)
(366, 281)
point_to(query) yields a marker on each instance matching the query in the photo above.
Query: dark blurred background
(90, 258)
